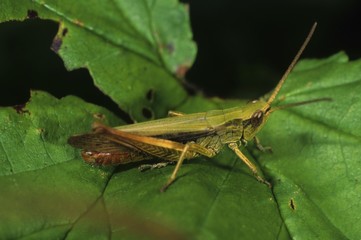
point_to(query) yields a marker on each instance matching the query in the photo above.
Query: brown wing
(99, 150)
(95, 142)
(160, 148)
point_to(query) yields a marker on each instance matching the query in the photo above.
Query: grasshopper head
(260, 110)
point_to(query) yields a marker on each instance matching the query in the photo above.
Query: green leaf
(48, 192)
(315, 166)
(137, 46)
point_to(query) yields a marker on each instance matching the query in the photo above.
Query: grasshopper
(184, 136)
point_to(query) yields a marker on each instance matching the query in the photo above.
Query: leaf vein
(7, 157)
(99, 35)
(220, 188)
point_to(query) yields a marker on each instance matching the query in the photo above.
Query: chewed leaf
(129, 47)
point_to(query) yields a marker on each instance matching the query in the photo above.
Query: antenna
(299, 104)
(292, 65)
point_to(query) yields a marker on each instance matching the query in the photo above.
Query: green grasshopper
(184, 136)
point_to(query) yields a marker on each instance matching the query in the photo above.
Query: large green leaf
(137, 46)
(48, 192)
(316, 161)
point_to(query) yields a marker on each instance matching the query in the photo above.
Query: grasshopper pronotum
(184, 136)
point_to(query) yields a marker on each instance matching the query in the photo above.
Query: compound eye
(257, 118)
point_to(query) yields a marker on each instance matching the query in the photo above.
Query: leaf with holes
(129, 47)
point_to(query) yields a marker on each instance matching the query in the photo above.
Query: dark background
(243, 48)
